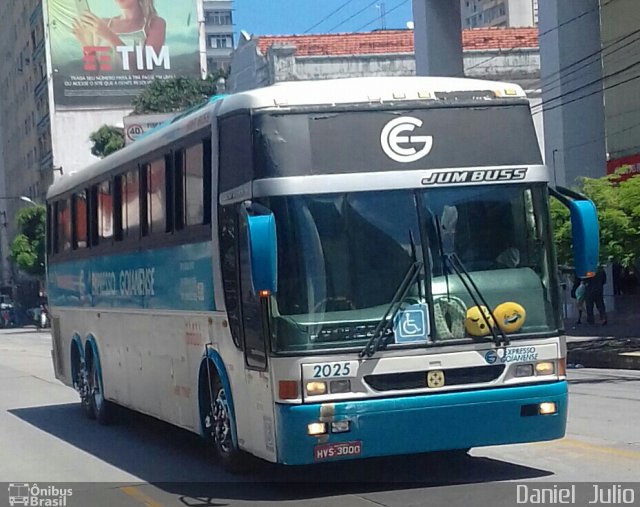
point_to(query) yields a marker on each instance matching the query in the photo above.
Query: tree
(617, 199)
(28, 247)
(106, 140)
(177, 94)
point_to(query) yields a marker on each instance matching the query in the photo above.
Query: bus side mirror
(263, 248)
(585, 232)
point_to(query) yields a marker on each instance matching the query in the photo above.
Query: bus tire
(81, 381)
(217, 429)
(102, 408)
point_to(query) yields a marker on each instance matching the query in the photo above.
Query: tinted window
(156, 196)
(105, 211)
(63, 224)
(80, 219)
(297, 144)
(193, 185)
(130, 184)
(236, 160)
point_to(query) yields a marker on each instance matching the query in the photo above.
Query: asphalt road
(44, 438)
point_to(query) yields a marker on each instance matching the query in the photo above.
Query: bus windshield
(342, 256)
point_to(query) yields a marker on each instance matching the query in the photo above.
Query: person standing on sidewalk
(577, 292)
(594, 295)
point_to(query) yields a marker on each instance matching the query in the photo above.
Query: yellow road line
(580, 444)
(139, 496)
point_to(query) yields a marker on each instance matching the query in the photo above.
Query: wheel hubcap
(220, 424)
(97, 392)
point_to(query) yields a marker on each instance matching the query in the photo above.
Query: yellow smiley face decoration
(476, 324)
(510, 316)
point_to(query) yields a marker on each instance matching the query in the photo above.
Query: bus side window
(63, 226)
(194, 185)
(228, 217)
(130, 199)
(236, 156)
(49, 229)
(180, 203)
(207, 179)
(156, 197)
(105, 212)
(93, 216)
(80, 220)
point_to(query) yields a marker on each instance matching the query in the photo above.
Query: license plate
(338, 450)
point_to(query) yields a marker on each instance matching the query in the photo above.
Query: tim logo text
(101, 58)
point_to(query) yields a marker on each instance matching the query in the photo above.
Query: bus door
(254, 343)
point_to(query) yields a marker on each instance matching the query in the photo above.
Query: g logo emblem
(435, 378)
(491, 357)
(391, 138)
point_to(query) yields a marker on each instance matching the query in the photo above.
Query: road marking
(581, 444)
(138, 495)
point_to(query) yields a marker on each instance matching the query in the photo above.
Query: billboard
(136, 126)
(104, 52)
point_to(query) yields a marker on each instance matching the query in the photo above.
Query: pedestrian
(578, 292)
(594, 295)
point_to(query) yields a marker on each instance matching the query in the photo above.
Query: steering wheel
(343, 300)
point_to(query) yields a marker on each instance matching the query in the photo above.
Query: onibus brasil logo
(23, 493)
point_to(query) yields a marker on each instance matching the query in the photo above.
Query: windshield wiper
(378, 339)
(470, 286)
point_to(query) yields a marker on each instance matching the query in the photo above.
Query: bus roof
(361, 90)
(334, 92)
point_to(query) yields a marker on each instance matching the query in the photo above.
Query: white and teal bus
(323, 270)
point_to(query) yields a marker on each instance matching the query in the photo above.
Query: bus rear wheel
(83, 386)
(100, 406)
(217, 427)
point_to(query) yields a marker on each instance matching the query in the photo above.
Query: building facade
(218, 30)
(505, 13)
(59, 86)
(26, 163)
(620, 46)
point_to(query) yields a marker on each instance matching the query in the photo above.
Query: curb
(603, 359)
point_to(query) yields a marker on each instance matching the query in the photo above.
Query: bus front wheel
(217, 427)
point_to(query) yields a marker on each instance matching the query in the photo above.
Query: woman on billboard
(137, 25)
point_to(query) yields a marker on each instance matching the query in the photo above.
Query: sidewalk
(616, 345)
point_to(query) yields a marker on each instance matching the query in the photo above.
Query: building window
(218, 18)
(221, 41)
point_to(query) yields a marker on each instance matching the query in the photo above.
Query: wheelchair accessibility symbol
(411, 324)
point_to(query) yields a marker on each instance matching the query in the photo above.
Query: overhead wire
(353, 15)
(402, 3)
(328, 16)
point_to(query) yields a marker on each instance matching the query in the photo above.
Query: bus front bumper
(415, 424)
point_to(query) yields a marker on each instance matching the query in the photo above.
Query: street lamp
(23, 198)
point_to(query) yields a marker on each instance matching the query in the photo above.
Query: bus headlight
(547, 408)
(545, 368)
(316, 428)
(316, 388)
(523, 370)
